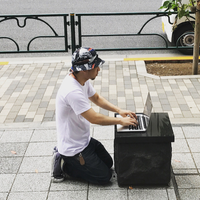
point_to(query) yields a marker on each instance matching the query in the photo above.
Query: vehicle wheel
(187, 38)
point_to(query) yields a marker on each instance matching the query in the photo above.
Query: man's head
(85, 59)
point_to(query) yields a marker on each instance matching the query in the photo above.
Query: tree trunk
(196, 40)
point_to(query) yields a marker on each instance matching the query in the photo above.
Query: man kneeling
(78, 155)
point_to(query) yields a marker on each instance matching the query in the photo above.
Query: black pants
(97, 164)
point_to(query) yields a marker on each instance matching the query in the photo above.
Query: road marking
(161, 58)
(4, 63)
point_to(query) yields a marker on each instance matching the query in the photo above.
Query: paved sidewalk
(28, 90)
(25, 168)
(28, 133)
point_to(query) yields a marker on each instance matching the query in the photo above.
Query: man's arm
(97, 118)
(103, 103)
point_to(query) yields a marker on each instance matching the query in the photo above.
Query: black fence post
(79, 31)
(73, 37)
(65, 33)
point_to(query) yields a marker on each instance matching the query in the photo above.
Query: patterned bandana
(85, 59)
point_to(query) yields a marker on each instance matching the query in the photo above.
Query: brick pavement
(28, 90)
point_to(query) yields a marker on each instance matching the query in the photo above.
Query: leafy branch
(182, 9)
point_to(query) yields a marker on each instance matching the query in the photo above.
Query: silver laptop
(143, 119)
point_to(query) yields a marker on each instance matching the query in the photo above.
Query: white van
(180, 28)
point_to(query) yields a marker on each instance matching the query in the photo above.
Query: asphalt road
(95, 25)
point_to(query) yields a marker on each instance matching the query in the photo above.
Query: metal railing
(153, 15)
(73, 24)
(39, 18)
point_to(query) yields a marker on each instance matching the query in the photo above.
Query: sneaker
(57, 167)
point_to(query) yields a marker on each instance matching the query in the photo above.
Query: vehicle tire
(187, 39)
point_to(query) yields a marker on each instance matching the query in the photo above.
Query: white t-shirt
(73, 130)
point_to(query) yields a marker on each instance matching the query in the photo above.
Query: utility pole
(196, 40)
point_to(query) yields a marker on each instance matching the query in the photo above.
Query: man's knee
(104, 178)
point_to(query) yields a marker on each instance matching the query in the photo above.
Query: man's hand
(126, 113)
(126, 121)
(129, 118)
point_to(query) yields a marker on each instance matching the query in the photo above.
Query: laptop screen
(148, 106)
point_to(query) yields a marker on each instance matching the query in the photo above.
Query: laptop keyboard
(142, 123)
